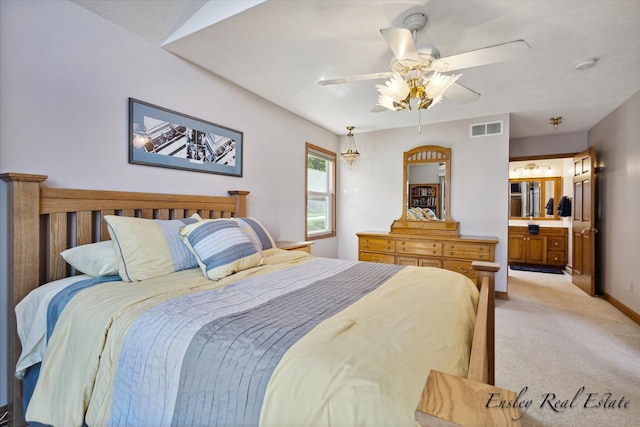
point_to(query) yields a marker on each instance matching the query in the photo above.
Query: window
(321, 195)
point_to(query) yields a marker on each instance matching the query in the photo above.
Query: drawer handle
(365, 246)
(464, 270)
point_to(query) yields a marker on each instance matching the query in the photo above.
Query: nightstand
(292, 245)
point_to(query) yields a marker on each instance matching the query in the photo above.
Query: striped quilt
(181, 350)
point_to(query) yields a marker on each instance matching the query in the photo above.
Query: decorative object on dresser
(433, 243)
(427, 163)
(546, 248)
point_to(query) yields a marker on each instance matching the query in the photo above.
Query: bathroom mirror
(426, 191)
(534, 198)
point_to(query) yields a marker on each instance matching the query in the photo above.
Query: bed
(360, 359)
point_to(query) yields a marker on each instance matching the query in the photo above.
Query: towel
(549, 207)
(564, 206)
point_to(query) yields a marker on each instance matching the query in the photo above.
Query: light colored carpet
(554, 342)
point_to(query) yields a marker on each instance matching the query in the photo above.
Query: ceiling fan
(416, 71)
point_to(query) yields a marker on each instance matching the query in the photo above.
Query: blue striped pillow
(221, 247)
(259, 232)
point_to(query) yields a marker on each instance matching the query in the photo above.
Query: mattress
(300, 340)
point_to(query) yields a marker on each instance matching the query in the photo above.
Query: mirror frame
(420, 155)
(557, 193)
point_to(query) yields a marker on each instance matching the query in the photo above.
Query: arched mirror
(426, 191)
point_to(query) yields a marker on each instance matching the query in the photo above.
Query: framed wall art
(165, 138)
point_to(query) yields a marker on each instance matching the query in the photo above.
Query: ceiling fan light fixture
(396, 94)
(437, 85)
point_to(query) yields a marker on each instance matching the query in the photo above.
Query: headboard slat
(84, 228)
(163, 214)
(58, 242)
(104, 230)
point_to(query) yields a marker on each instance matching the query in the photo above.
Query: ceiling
(280, 49)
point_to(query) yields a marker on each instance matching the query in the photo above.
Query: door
(584, 231)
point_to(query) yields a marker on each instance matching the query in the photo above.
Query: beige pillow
(147, 248)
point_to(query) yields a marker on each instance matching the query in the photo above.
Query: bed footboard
(448, 400)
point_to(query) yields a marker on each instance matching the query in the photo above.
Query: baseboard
(623, 308)
(502, 295)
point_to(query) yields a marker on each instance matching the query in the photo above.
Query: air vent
(486, 129)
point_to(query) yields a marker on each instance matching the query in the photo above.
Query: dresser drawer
(467, 247)
(381, 258)
(470, 251)
(462, 267)
(420, 262)
(407, 260)
(430, 263)
(555, 244)
(383, 245)
(555, 258)
(475, 256)
(419, 248)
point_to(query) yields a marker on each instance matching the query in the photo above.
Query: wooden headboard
(42, 222)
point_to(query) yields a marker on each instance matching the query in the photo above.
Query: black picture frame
(165, 138)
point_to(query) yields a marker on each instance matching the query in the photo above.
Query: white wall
(618, 153)
(548, 145)
(370, 196)
(65, 78)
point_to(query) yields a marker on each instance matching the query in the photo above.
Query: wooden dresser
(450, 252)
(547, 248)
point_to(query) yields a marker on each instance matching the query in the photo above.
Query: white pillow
(93, 259)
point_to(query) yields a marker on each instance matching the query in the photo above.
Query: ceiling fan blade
(361, 77)
(461, 94)
(378, 109)
(401, 43)
(487, 55)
